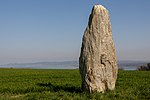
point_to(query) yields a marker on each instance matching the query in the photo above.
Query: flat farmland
(60, 84)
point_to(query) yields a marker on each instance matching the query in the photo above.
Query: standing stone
(97, 62)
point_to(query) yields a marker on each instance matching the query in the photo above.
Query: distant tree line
(146, 68)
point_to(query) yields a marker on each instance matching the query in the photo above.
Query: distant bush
(148, 65)
(144, 68)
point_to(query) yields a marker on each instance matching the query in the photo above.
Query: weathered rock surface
(97, 62)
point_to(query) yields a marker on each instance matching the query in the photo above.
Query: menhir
(97, 62)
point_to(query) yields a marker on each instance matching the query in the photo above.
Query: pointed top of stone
(98, 8)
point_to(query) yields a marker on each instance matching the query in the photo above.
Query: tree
(148, 65)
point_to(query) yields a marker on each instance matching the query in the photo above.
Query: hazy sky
(52, 30)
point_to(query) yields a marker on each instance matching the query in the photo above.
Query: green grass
(30, 84)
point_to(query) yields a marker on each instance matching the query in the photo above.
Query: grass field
(65, 85)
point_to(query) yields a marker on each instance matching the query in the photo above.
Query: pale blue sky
(52, 30)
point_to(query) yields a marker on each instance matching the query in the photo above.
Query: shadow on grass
(56, 88)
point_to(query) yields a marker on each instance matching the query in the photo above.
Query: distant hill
(124, 64)
(130, 65)
(44, 65)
